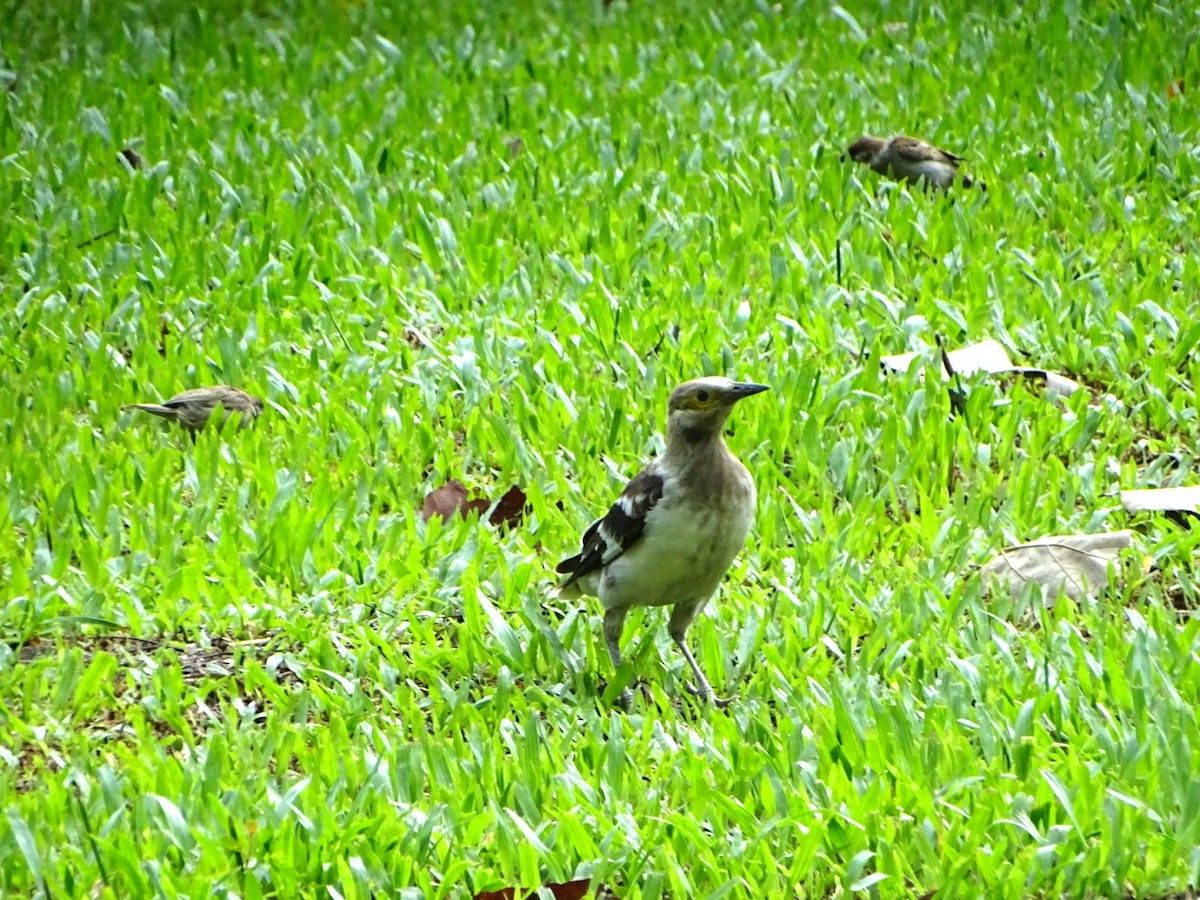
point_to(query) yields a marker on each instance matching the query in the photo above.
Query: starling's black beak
(742, 389)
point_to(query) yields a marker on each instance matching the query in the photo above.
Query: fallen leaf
(164, 331)
(987, 356)
(452, 498)
(1075, 564)
(449, 499)
(509, 509)
(567, 890)
(1168, 500)
(514, 147)
(132, 157)
(421, 338)
(1175, 88)
(1056, 385)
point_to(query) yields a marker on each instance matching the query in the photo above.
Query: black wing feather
(620, 529)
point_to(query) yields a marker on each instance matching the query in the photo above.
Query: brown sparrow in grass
(191, 409)
(908, 159)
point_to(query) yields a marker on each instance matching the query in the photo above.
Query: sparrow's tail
(154, 409)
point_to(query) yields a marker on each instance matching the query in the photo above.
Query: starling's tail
(155, 409)
(568, 590)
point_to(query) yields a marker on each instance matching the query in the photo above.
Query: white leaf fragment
(1172, 499)
(987, 356)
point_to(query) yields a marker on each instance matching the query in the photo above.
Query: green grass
(246, 668)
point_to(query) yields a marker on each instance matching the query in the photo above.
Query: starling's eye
(702, 396)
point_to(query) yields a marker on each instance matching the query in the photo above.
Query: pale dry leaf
(1075, 564)
(987, 356)
(1056, 385)
(1172, 499)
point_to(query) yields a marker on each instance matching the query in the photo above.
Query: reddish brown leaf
(510, 510)
(447, 500)
(452, 498)
(568, 890)
(1175, 89)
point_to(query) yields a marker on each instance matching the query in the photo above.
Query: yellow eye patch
(701, 400)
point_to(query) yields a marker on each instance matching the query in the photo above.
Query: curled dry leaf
(567, 890)
(453, 499)
(1076, 564)
(1056, 385)
(986, 356)
(132, 157)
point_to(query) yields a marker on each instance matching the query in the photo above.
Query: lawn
(482, 241)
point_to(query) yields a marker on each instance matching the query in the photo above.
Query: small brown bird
(192, 409)
(674, 531)
(907, 159)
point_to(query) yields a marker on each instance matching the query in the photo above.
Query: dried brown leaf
(445, 501)
(133, 158)
(452, 498)
(567, 890)
(510, 509)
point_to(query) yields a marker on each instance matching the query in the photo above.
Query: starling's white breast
(691, 539)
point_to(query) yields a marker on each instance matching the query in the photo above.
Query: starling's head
(864, 149)
(699, 408)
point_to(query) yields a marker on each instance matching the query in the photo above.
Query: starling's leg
(681, 619)
(614, 624)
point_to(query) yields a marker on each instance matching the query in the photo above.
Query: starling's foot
(705, 693)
